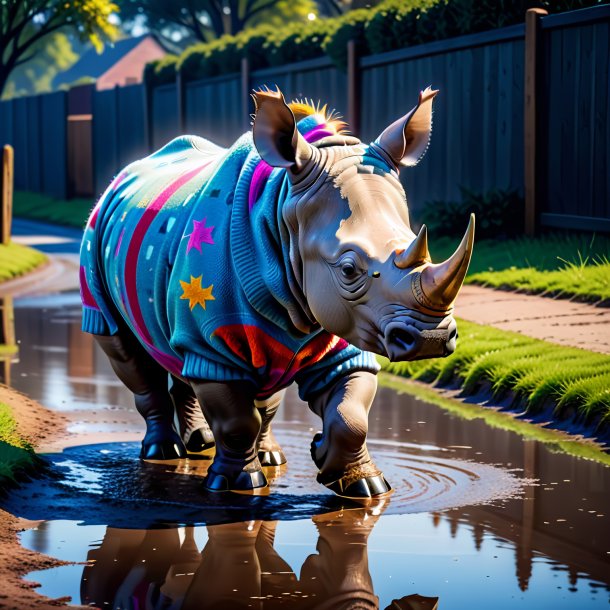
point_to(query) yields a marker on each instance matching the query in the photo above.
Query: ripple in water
(109, 484)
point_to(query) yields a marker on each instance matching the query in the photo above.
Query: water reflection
(238, 567)
(8, 344)
(559, 528)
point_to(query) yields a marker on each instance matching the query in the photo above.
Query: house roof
(94, 65)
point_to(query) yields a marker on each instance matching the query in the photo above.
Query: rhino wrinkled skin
(357, 277)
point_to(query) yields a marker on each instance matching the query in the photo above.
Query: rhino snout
(407, 341)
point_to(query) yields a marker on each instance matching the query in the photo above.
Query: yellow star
(195, 293)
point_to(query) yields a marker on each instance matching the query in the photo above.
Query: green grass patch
(72, 213)
(16, 455)
(563, 265)
(553, 439)
(537, 374)
(15, 260)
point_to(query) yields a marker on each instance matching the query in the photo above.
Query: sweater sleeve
(317, 377)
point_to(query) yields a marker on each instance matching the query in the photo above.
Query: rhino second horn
(441, 283)
(417, 252)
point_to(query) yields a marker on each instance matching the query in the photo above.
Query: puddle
(459, 529)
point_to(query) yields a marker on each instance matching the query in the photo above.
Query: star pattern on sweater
(200, 235)
(195, 293)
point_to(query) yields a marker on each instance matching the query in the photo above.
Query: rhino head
(363, 273)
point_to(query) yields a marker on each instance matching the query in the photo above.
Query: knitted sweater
(187, 248)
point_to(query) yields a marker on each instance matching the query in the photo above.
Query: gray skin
(362, 275)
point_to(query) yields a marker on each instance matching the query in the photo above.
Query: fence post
(147, 117)
(245, 92)
(353, 87)
(6, 217)
(533, 71)
(180, 100)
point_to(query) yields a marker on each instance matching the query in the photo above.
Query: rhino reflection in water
(288, 257)
(238, 568)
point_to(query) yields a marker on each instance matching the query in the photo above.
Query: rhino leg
(340, 451)
(194, 429)
(269, 451)
(148, 381)
(236, 424)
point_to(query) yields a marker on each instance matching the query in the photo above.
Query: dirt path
(555, 320)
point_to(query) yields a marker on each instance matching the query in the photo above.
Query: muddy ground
(37, 425)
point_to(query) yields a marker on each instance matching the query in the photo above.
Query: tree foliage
(192, 21)
(24, 23)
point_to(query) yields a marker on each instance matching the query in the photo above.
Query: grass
(15, 260)
(535, 374)
(16, 454)
(72, 213)
(562, 265)
(554, 439)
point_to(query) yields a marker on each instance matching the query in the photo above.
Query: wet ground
(466, 527)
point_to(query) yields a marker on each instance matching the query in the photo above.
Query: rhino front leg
(194, 428)
(149, 383)
(269, 451)
(236, 424)
(340, 451)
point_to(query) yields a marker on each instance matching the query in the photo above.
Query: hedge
(393, 24)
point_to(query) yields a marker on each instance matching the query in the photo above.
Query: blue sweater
(187, 248)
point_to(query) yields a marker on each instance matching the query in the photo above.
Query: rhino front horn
(441, 283)
(417, 252)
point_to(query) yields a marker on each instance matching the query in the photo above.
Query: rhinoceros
(213, 278)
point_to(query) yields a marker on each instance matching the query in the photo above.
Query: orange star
(195, 294)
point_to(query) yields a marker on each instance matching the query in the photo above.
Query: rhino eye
(348, 270)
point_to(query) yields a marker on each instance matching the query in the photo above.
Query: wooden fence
(535, 121)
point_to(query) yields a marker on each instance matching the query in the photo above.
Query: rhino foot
(243, 480)
(170, 449)
(359, 481)
(200, 440)
(272, 458)
(368, 487)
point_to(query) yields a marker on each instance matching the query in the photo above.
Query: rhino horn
(406, 140)
(441, 283)
(417, 252)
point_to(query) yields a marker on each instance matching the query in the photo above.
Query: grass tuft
(15, 260)
(35, 206)
(16, 454)
(536, 373)
(558, 265)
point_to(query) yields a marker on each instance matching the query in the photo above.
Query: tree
(23, 23)
(204, 20)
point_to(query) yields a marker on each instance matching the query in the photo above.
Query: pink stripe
(85, 293)
(131, 263)
(118, 244)
(259, 178)
(317, 133)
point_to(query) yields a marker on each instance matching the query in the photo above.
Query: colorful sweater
(186, 246)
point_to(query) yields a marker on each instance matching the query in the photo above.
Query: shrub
(161, 72)
(499, 213)
(350, 26)
(299, 42)
(394, 24)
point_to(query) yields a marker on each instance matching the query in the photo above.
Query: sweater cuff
(199, 367)
(93, 322)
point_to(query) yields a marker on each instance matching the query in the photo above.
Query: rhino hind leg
(148, 382)
(269, 451)
(194, 429)
(340, 451)
(236, 425)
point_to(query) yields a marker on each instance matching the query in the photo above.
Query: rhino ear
(275, 132)
(406, 140)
